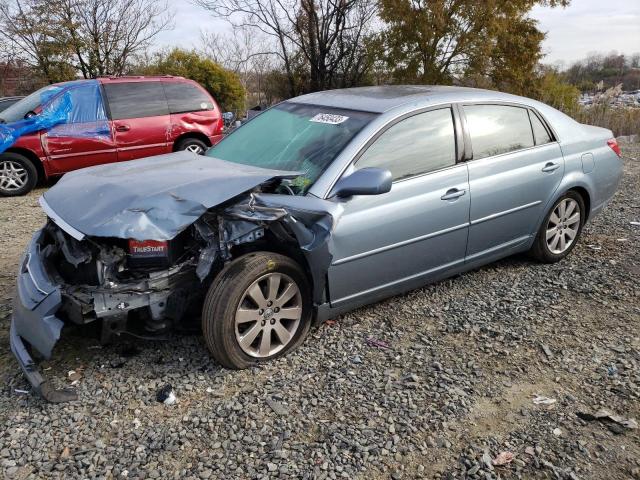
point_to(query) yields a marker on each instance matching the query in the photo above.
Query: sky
(585, 27)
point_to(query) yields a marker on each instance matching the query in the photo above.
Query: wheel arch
(198, 135)
(274, 246)
(586, 198)
(33, 158)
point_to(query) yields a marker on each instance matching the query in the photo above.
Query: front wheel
(257, 309)
(560, 229)
(18, 176)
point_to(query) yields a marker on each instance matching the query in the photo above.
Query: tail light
(613, 144)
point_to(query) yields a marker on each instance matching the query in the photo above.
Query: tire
(18, 175)
(545, 250)
(228, 300)
(194, 145)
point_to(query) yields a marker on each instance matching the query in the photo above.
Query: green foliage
(222, 84)
(490, 43)
(554, 90)
(611, 70)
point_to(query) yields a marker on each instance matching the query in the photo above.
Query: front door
(140, 116)
(512, 176)
(86, 138)
(388, 243)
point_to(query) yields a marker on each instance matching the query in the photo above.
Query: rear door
(192, 110)
(512, 176)
(140, 116)
(86, 139)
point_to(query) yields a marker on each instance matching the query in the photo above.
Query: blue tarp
(72, 109)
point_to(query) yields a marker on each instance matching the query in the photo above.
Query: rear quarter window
(498, 129)
(186, 97)
(540, 132)
(136, 100)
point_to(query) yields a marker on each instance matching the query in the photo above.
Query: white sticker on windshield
(329, 118)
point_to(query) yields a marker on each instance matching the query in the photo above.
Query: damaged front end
(144, 287)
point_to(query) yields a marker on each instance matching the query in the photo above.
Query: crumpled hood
(150, 199)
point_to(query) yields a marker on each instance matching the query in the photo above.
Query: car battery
(150, 254)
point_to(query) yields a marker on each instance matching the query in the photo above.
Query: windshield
(18, 110)
(295, 137)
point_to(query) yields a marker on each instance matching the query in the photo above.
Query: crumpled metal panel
(72, 109)
(151, 199)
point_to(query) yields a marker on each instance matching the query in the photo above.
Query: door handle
(452, 194)
(123, 128)
(551, 167)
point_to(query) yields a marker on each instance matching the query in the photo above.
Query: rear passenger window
(185, 97)
(419, 144)
(497, 129)
(136, 99)
(539, 130)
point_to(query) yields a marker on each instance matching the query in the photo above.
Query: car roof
(142, 78)
(381, 99)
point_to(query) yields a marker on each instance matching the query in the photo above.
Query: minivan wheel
(560, 229)
(257, 309)
(193, 145)
(18, 176)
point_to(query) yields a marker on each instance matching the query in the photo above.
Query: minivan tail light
(613, 144)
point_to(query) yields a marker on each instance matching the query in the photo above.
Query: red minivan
(109, 120)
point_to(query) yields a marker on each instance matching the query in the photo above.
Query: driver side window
(414, 146)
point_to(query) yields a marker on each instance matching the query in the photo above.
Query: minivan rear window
(185, 97)
(136, 100)
(497, 129)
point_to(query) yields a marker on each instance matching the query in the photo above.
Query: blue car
(318, 205)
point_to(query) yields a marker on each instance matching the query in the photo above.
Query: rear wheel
(18, 176)
(193, 145)
(257, 309)
(560, 229)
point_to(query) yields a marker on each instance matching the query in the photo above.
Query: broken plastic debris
(74, 376)
(540, 400)
(503, 458)
(165, 395)
(373, 342)
(606, 416)
(594, 247)
(19, 390)
(635, 224)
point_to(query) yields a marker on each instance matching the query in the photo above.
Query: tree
(36, 38)
(554, 90)
(326, 37)
(222, 84)
(94, 37)
(443, 41)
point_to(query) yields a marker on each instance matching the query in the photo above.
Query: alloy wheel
(268, 315)
(13, 176)
(563, 226)
(193, 148)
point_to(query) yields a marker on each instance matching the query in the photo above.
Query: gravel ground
(433, 384)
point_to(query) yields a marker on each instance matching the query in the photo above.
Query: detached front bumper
(34, 321)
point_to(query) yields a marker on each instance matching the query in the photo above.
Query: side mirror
(366, 181)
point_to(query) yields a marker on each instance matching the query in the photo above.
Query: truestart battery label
(148, 248)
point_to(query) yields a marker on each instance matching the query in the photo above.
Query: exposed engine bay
(134, 247)
(149, 285)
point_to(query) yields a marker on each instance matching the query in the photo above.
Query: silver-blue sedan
(320, 204)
